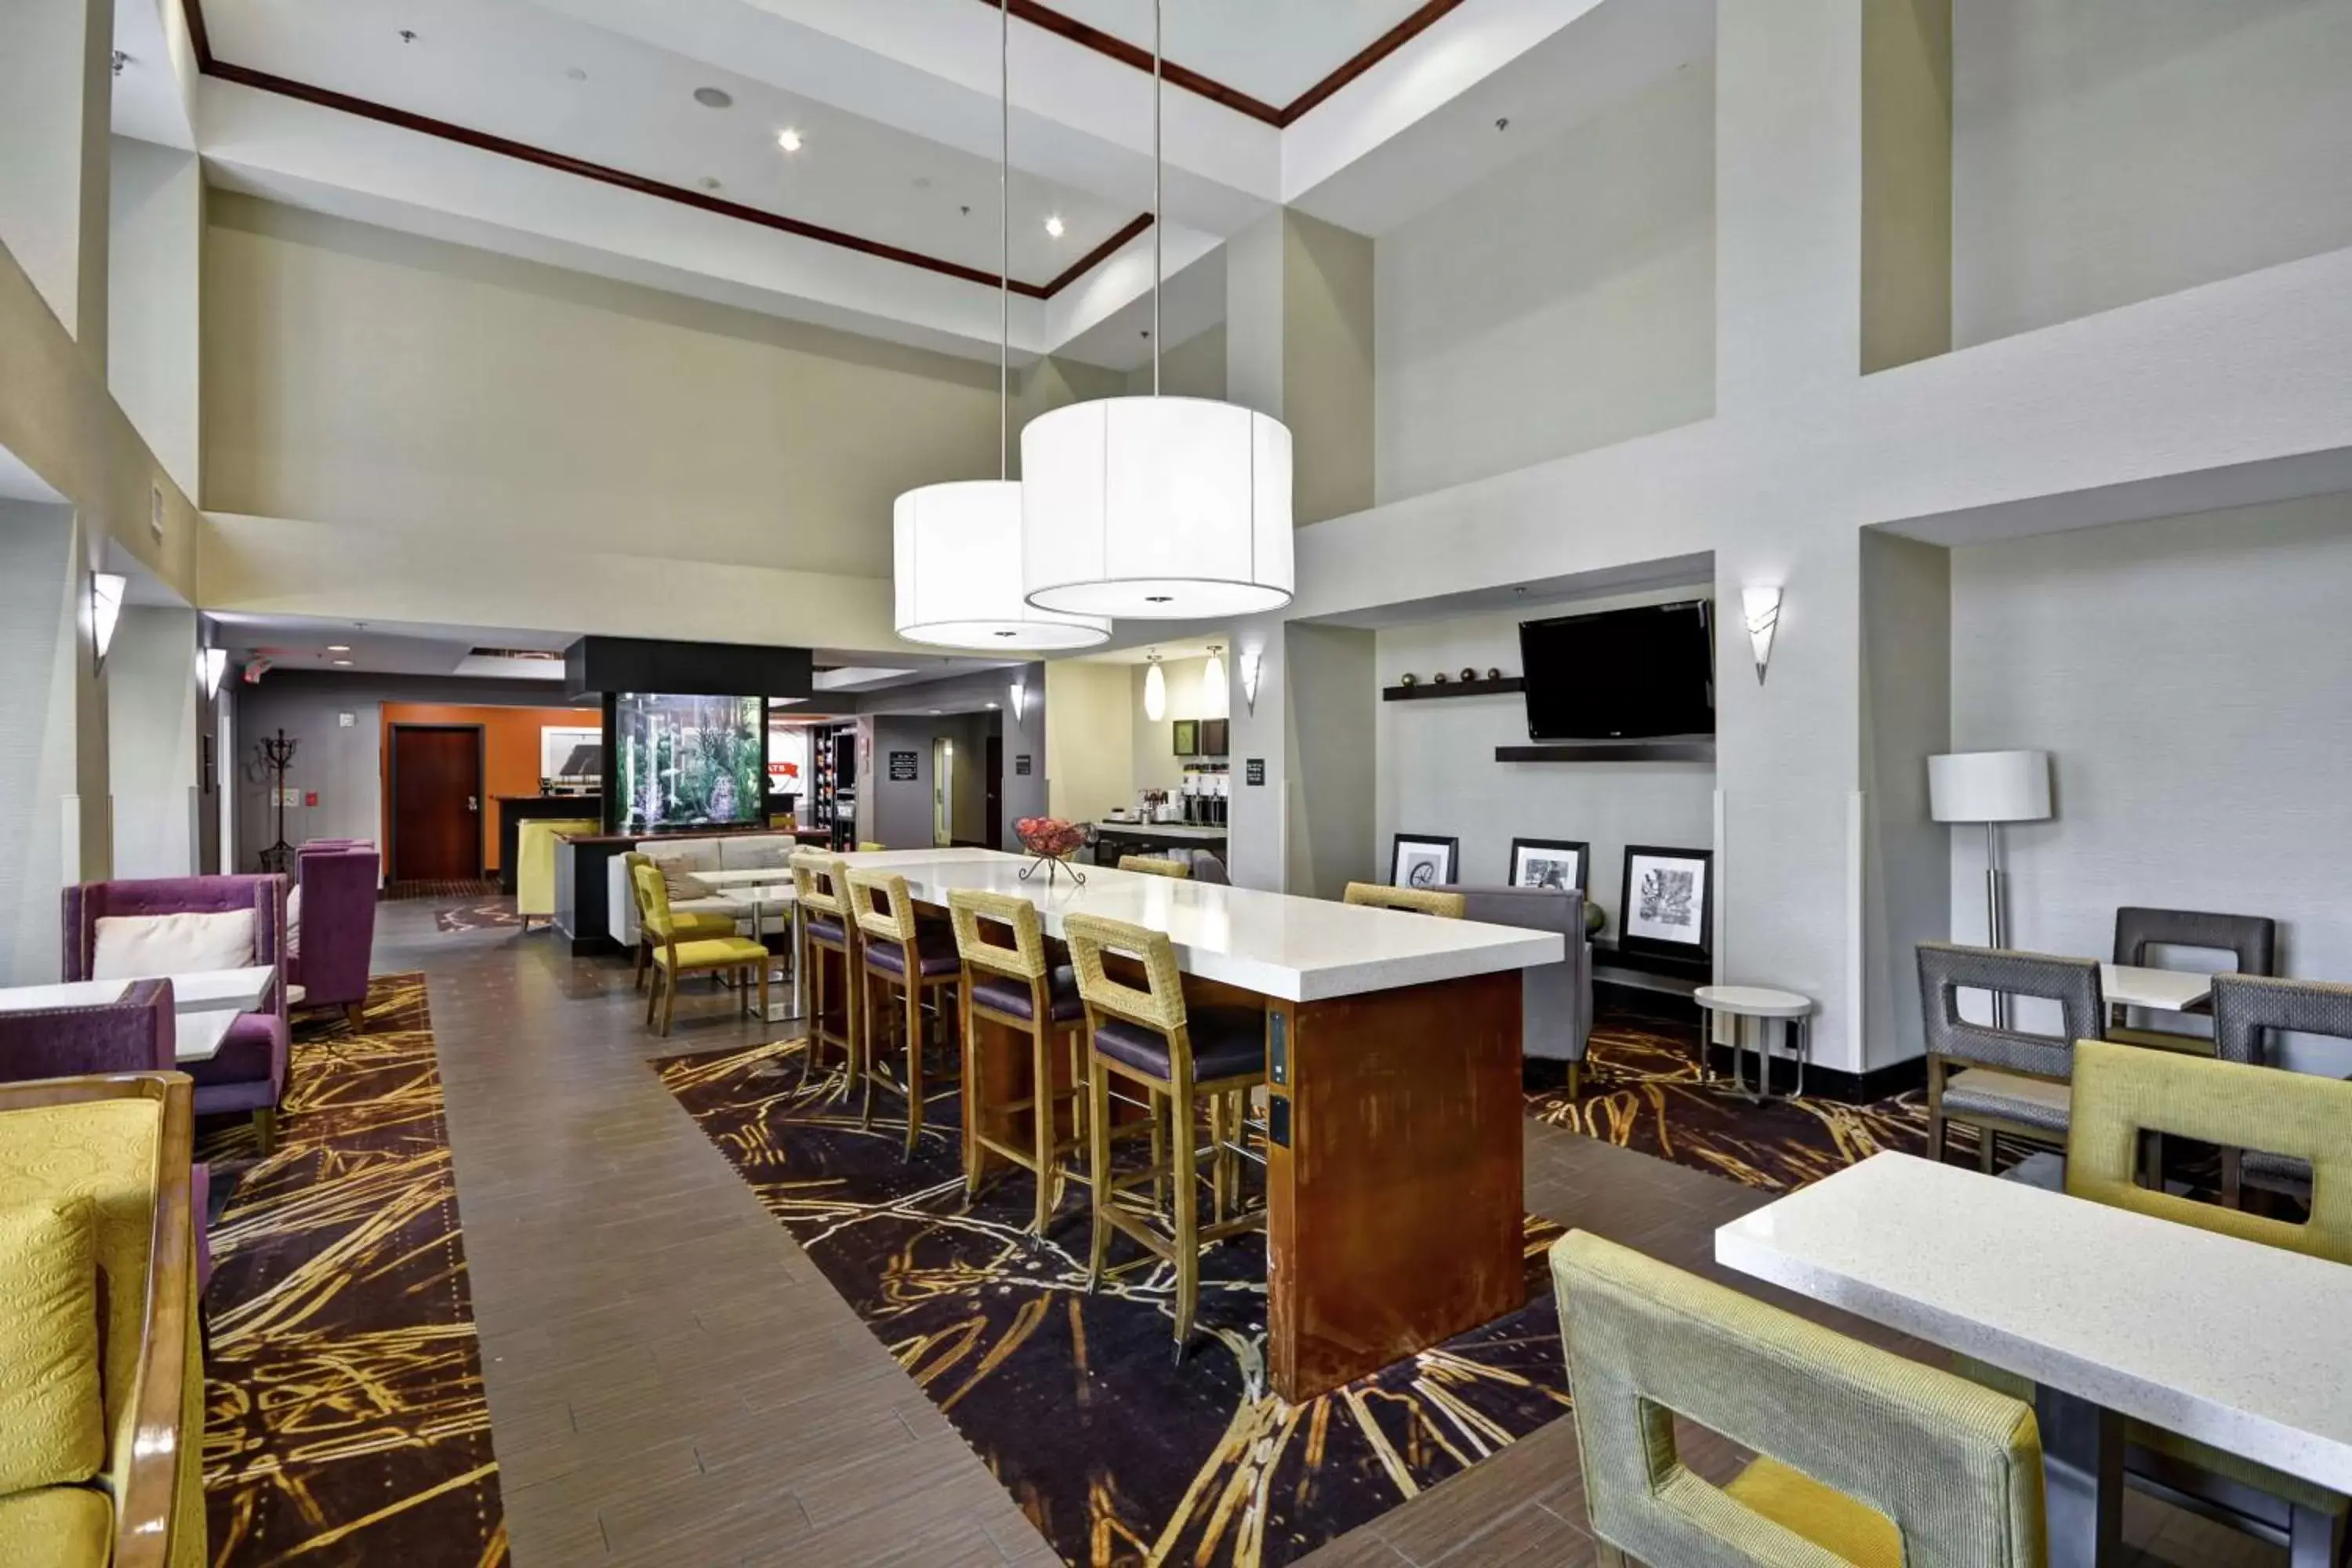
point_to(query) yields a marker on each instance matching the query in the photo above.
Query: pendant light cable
(1157, 224)
(1004, 238)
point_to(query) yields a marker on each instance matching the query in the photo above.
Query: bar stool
(917, 960)
(1408, 900)
(1182, 1060)
(820, 886)
(1152, 866)
(1017, 987)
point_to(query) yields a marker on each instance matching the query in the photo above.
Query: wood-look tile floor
(672, 1382)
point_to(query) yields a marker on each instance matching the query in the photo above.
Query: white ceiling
(305, 642)
(897, 104)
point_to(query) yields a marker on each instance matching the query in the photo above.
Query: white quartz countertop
(1300, 950)
(2243, 1346)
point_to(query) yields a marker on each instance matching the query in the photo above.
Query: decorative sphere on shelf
(1494, 674)
(1438, 679)
(1410, 679)
(1468, 673)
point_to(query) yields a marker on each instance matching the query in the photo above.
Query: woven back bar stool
(1407, 901)
(1184, 1060)
(914, 961)
(820, 883)
(1015, 984)
(1153, 865)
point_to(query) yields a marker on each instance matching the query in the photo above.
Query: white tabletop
(236, 990)
(2136, 1314)
(1753, 1001)
(2162, 990)
(744, 875)
(1300, 950)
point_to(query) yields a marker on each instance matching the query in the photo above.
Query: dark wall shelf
(1693, 750)
(1426, 690)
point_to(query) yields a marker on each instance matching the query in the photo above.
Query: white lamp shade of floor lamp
(1989, 787)
(955, 567)
(1156, 508)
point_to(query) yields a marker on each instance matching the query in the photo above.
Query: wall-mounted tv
(1621, 674)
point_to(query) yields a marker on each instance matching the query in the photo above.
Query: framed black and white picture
(1664, 906)
(1548, 863)
(1419, 860)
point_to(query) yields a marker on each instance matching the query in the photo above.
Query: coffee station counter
(1114, 838)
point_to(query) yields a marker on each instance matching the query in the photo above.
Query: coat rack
(276, 759)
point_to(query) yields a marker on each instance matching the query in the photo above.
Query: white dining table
(2159, 990)
(754, 893)
(204, 1004)
(2111, 1313)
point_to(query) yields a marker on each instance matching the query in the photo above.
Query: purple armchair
(137, 1032)
(249, 1072)
(330, 959)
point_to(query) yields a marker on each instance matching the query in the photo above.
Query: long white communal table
(204, 1004)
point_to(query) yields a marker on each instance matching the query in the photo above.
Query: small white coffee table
(1752, 1009)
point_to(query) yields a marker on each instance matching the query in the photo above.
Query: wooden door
(993, 831)
(436, 803)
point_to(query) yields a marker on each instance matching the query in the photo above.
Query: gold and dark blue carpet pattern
(345, 1421)
(1074, 1402)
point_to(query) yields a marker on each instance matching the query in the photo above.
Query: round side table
(1752, 1008)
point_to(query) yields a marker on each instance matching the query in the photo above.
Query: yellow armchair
(535, 841)
(117, 1149)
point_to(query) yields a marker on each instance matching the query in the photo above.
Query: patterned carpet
(345, 1419)
(459, 888)
(488, 914)
(1073, 1402)
(1642, 1090)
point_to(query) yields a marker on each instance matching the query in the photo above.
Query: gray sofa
(1555, 1005)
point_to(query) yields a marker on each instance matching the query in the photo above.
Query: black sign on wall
(1254, 771)
(902, 767)
(1021, 764)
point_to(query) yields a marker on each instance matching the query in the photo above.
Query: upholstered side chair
(2000, 1079)
(2248, 1013)
(1863, 1456)
(2251, 940)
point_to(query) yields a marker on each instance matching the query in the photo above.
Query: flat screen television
(1621, 674)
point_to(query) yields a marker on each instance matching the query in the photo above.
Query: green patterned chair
(2124, 1091)
(1864, 1458)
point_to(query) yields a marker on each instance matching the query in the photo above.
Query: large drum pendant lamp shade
(955, 567)
(1156, 508)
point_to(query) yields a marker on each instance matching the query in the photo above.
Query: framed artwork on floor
(1550, 863)
(1423, 861)
(1666, 903)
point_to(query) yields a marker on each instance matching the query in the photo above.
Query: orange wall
(510, 753)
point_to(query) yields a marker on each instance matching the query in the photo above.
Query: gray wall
(900, 815)
(1907, 718)
(2190, 678)
(343, 763)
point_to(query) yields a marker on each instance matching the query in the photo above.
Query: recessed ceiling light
(712, 182)
(789, 140)
(338, 648)
(1054, 226)
(343, 661)
(576, 74)
(714, 97)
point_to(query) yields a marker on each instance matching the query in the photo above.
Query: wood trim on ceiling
(1113, 47)
(506, 147)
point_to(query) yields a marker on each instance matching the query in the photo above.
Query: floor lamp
(1990, 787)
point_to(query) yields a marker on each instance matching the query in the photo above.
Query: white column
(155, 269)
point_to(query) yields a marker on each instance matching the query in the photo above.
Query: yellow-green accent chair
(692, 925)
(117, 1150)
(535, 840)
(674, 959)
(1863, 1457)
(1407, 901)
(1153, 865)
(2121, 1093)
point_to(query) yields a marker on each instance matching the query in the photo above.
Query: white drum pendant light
(1158, 507)
(956, 547)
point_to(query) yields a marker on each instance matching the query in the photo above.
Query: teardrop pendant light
(956, 547)
(1156, 508)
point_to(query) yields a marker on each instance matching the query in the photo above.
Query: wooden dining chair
(691, 925)
(1014, 985)
(674, 958)
(1407, 901)
(1152, 866)
(916, 962)
(1185, 1060)
(821, 887)
(1863, 1457)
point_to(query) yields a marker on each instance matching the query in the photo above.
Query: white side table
(1752, 1009)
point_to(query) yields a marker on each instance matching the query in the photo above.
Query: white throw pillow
(294, 923)
(133, 947)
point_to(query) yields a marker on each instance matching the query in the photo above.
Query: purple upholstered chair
(137, 1032)
(328, 959)
(249, 1072)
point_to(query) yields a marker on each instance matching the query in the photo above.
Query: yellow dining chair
(1863, 1457)
(1152, 866)
(692, 925)
(535, 850)
(868, 846)
(675, 959)
(1409, 900)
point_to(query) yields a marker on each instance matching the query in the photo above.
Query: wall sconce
(1020, 689)
(105, 590)
(212, 663)
(1251, 658)
(1761, 606)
